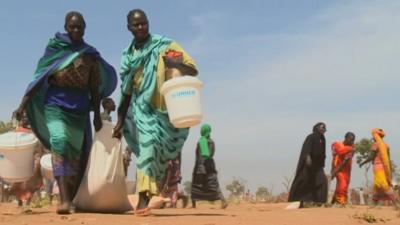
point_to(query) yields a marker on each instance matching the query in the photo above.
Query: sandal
(143, 212)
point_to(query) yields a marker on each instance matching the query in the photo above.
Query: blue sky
(271, 69)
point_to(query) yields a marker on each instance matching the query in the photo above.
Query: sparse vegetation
(363, 152)
(369, 218)
(263, 195)
(236, 189)
(39, 202)
(5, 126)
(287, 182)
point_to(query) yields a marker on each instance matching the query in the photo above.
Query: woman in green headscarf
(205, 184)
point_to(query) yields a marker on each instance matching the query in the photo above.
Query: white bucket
(183, 99)
(46, 166)
(16, 156)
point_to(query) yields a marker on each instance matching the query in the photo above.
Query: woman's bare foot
(142, 212)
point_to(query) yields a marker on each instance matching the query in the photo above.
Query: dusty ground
(207, 214)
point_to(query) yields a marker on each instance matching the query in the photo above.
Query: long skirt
(342, 186)
(382, 190)
(67, 138)
(205, 184)
(309, 186)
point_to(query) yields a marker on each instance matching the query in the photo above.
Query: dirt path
(206, 214)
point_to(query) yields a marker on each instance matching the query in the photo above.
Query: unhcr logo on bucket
(185, 93)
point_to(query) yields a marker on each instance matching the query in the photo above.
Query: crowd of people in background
(310, 185)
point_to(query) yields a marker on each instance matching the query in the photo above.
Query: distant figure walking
(205, 184)
(310, 183)
(171, 183)
(383, 188)
(342, 154)
(108, 106)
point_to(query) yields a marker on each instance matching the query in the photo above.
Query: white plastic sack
(103, 188)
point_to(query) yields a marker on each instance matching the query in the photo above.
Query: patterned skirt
(67, 138)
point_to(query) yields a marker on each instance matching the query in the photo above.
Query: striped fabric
(147, 130)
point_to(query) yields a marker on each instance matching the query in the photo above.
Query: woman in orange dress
(343, 152)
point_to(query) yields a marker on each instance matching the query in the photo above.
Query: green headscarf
(203, 141)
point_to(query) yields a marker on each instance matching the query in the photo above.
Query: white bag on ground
(103, 187)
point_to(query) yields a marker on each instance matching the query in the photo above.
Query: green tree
(363, 152)
(263, 194)
(5, 127)
(236, 188)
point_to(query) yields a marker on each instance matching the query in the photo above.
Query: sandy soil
(208, 214)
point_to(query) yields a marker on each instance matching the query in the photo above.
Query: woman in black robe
(205, 184)
(310, 183)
